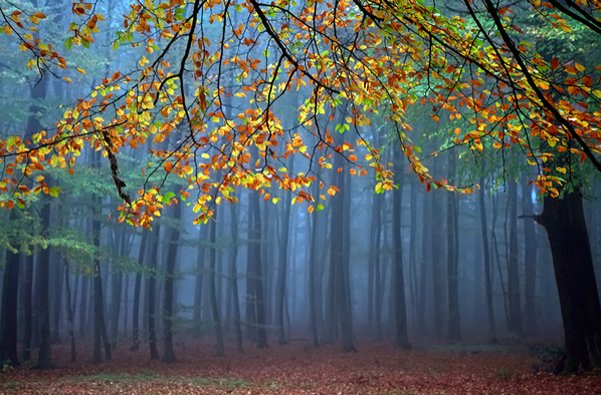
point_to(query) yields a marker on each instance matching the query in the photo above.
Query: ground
(298, 368)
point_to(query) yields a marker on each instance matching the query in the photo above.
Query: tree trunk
(452, 256)
(26, 301)
(282, 266)
(137, 289)
(513, 283)
(219, 348)
(398, 286)
(575, 277)
(171, 257)
(42, 293)
(530, 258)
(70, 315)
(8, 314)
(151, 294)
(490, 311)
(234, 276)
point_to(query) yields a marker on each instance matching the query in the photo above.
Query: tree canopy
(221, 93)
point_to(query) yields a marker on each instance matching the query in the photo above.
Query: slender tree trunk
(234, 276)
(212, 287)
(200, 268)
(530, 258)
(513, 283)
(100, 330)
(70, 314)
(490, 312)
(574, 273)
(256, 270)
(453, 256)
(137, 290)
(339, 260)
(26, 300)
(42, 288)
(282, 266)
(398, 286)
(168, 314)
(151, 294)
(436, 246)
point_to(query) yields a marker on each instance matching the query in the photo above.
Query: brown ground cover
(299, 369)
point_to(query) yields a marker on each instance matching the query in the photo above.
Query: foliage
(211, 80)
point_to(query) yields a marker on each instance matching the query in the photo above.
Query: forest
(311, 196)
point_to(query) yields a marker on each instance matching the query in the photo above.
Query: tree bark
(8, 315)
(490, 311)
(171, 257)
(513, 283)
(453, 257)
(398, 286)
(566, 229)
(212, 287)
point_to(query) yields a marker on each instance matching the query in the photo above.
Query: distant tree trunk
(452, 256)
(530, 258)
(70, 315)
(339, 260)
(168, 315)
(437, 244)
(200, 263)
(83, 305)
(375, 241)
(100, 330)
(492, 331)
(26, 295)
(425, 263)
(574, 273)
(234, 276)
(212, 287)
(37, 92)
(56, 279)
(120, 249)
(255, 289)
(8, 314)
(413, 288)
(398, 285)
(42, 293)
(137, 289)
(513, 283)
(282, 266)
(313, 222)
(151, 293)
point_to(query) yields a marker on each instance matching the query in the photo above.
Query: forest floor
(297, 368)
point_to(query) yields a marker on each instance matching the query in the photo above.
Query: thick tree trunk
(575, 277)
(8, 317)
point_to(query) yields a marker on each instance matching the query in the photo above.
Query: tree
(468, 64)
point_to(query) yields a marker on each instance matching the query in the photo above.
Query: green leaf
(69, 43)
